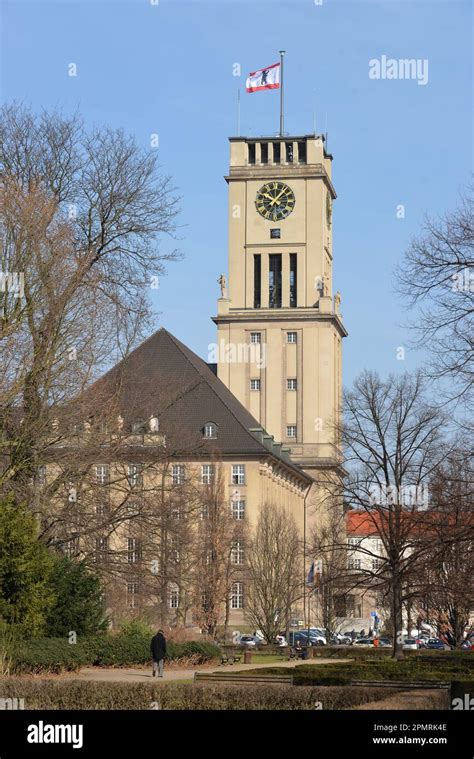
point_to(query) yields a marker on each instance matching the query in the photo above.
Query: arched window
(210, 430)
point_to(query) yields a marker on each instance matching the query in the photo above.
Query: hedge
(58, 655)
(384, 670)
(76, 694)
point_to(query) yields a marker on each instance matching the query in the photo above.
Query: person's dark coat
(158, 647)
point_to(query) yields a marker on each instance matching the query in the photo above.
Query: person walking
(158, 652)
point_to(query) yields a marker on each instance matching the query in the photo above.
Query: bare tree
(328, 546)
(393, 442)
(447, 573)
(220, 554)
(274, 571)
(437, 274)
(81, 214)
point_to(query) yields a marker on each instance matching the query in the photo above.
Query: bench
(295, 653)
(403, 684)
(231, 659)
(221, 677)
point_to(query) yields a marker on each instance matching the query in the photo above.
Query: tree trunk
(397, 613)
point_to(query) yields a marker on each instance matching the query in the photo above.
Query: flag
(264, 79)
(310, 577)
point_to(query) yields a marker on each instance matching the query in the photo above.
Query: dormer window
(138, 427)
(210, 430)
(154, 424)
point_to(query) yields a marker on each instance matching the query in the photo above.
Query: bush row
(75, 694)
(384, 670)
(58, 655)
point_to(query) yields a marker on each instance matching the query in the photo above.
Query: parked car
(385, 643)
(410, 644)
(249, 641)
(301, 638)
(436, 643)
(318, 633)
(364, 642)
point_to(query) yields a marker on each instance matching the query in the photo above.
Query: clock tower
(279, 326)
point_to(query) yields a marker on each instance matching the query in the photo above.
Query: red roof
(362, 523)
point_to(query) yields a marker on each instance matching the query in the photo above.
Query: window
(207, 474)
(101, 548)
(257, 280)
(237, 596)
(41, 475)
(174, 550)
(354, 541)
(289, 152)
(264, 152)
(251, 152)
(353, 564)
(291, 384)
(71, 548)
(210, 557)
(238, 474)
(276, 152)
(154, 424)
(255, 384)
(133, 550)
(100, 509)
(178, 474)
(177, 512)
(237, 509)
(133, 475)
(291, 337)
(302, 152)
(291, 430)
(237, 552)
(174, 599)
(275, 234)
(293, 280)
(376, 564)
(101, 474)
(256, 337)
(210, 430)
(205, 511)
(132, 507)
(133, 590)
(274, 280)
(138, 426)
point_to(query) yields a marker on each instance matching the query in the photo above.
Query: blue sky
(168, 69)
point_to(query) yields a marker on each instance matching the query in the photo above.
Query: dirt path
(143, 674)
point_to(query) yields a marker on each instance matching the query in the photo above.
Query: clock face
(275, 201)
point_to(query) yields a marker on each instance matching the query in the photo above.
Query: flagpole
(238, 112)
(282, 121)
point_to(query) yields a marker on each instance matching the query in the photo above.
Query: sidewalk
(143, 674)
